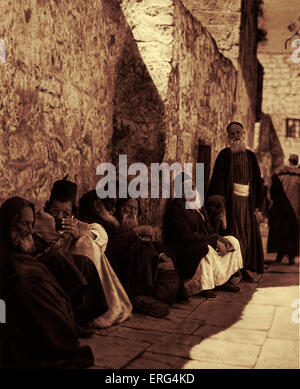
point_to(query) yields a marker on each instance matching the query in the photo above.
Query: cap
(64, 189)
(293, 158)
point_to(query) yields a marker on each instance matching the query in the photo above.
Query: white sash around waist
(241, 190)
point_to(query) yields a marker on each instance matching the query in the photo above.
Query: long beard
(237, 145)
(195, 203)
(21, 243)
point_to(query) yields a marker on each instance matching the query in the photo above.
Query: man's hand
(108, 217)
(228, 244)
(166, 262)
(221, 248)
(74, 227)
(144, 229)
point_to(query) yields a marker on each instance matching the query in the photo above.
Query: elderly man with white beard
(236, 177)
(47, 296)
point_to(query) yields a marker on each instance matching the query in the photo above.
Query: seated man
(40, 329)
(59, 229)
(216, 211)
(57, 225)
(205, 259)
(148, 277)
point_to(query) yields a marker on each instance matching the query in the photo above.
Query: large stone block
(60, 65)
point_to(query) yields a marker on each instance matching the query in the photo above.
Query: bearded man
(284, 214)
(236, 177)
(40, 329)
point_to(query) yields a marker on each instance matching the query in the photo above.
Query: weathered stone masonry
(200, 88)
(280, 101)
(86, 81)
(57, 89)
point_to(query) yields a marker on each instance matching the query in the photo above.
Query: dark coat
(188, 236)
(44, 296)
(284, 213)
(221, 182)
(40, 330)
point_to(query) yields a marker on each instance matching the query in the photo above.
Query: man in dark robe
(146, 273)
(205, 260)
(284, 214)
(236, 177)
(57, 230)
(42, 293)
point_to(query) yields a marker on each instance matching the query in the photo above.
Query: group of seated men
(66, 270)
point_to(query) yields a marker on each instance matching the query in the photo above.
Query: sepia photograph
(150, 188)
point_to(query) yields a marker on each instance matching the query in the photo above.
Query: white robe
(214, 270)
(119, 306)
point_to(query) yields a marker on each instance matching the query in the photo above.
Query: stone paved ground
(252, 329)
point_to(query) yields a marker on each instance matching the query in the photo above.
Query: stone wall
(233, 24)
(222, 18)
(196, 83)
(57, 89)
(281, 99)
(86, 82)
(205, 85)
(138, 111)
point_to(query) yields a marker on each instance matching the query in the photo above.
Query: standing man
(236, 177)
(284, 214)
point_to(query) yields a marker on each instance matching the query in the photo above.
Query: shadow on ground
(226, 332)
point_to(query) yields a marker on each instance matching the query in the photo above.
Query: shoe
(236, 278)
(278, 258)
(247, 276)
(228, 287)
(209, 294)
(237, 274)
(291, 260)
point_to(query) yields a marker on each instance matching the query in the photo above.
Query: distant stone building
(280, 125)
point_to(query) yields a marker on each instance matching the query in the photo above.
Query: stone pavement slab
(113, 353)
(245, 330)
(256, 317)
(216, 313)
(178, 313)
(212, 350)
(150, 360)
(166, 325)
(209, 365)
(279, 354)
(235, 335)
(156, 337)
(279, 279)
(283, 326)
(276, 295)
(190, 305)
(283, 268)
(243, 296)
